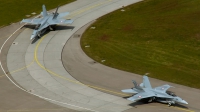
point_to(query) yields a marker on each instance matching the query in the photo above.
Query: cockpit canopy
(170, 93)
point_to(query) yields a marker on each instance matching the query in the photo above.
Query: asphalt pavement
(41, 83)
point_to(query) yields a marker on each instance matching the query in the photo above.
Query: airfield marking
(3, 46)
(86, 9)
(187, 110)
(31, 110)
(73, 81)
(27, 90)
(76, 13)
(49, 71)
(4, 37)
(35, 56)
(5, 43)
(20, 69)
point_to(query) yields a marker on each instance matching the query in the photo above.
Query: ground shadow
(37, 38)
(135, 104)
(29, 26)
(180, 106)
(145, 102)
(61, 27)
(57, 28)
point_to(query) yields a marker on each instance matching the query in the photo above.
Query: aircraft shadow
(37, 38)
(179, 105)
(145, 102)
(60, 27)
(29, 26)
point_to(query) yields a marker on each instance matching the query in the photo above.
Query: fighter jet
(159, 94)
(49, 20)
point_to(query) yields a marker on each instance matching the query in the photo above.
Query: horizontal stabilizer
(129, 91)
(31, 21)
(132, 99)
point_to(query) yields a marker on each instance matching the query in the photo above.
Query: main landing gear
(151, 99)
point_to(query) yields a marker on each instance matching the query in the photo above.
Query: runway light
(87, 46)
(93, 27)
(103, 61)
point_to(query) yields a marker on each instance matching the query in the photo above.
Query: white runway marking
(28, 91)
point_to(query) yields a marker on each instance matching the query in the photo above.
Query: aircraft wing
(44, 26)
(141, 95)
(129, 91)
(60, 21)
(162, 88)
(31, 21)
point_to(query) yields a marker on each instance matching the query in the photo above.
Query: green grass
(160, 37)
(15, 10)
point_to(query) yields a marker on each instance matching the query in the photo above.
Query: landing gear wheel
(150, 100)
(38, 36)
(52, 28)
(169, 104)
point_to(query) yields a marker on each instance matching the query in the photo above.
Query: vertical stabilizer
(56, 13)
(44, 11)
(146, 82)
(136, 85)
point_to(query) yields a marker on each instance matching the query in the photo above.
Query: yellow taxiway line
(74, 81)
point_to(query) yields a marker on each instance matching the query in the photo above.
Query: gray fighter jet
(159, 94)
(49, 20)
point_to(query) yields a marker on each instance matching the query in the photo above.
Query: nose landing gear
(52, 28)
(169, 104)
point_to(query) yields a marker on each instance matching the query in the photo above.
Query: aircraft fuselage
(41, 28)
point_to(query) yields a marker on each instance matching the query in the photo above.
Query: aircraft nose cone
(32, 37)
(185, 102)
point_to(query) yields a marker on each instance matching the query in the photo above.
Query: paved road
(83, 68)
(40, 69)
(45, 76)
(12, 99)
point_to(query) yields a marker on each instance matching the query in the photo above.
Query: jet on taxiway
(49, 20)
(159, 94)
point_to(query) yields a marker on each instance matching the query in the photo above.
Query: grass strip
(153, 36)
(15, 10)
